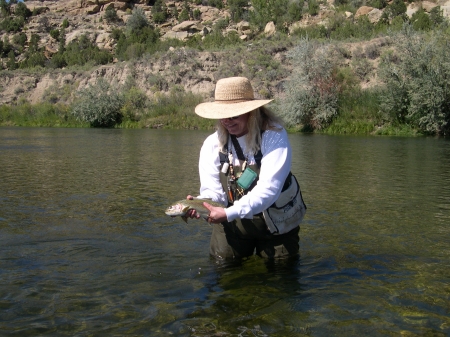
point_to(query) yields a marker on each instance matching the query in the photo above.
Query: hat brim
(216, 110)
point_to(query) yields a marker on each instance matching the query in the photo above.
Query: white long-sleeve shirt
(275, 167)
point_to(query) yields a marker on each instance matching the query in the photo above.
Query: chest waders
(239, 238)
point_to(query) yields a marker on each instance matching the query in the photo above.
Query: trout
(181, 207)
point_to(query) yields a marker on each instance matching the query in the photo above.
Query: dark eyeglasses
(231, 118)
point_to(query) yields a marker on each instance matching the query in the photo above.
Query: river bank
(351, 121)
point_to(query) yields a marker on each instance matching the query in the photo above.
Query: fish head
(177, 209)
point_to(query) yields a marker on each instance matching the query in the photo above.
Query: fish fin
(184, 218)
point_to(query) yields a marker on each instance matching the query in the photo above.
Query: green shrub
(216, 3)
(11, 63)
(196, 14)
(111, 15)
(135, 101)
(54, 33)
(311, 95)
(65, 23)
(99, 105)
(137, 20)
(313, 32)
(35, 59)
(22, 11)
(159, 11)
(183, 16)
(436, 16)
(295, 11)
(83, 50)
(238, 9)
(20, 39)
(266, 11)
(33, 46)
(420, 20)
(395, 9)
(136, 43)
(5, 8)
(313, 7)
(417, 90)
(11, 25)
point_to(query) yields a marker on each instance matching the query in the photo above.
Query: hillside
(195, 70)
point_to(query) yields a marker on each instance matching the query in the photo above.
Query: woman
(244, 165)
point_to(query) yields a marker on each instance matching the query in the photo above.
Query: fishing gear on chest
(239, 181)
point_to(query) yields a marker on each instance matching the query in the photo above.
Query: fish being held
(181, 207)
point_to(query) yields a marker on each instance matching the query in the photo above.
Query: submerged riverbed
(86, 249)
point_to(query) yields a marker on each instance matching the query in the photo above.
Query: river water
(86, 249)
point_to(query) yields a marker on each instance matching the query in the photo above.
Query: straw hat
(233, 97)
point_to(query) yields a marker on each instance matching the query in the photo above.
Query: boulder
(428, 6)
(183, 36)
(270, 29)
(364, 10)
(446, 11)
(411, 9)
(243, 26)
(375, 15)
(186, 26)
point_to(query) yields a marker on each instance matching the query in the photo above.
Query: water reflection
(86, 249)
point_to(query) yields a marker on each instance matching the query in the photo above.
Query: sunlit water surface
(86, 249)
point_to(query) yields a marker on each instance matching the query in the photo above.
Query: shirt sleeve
(209, 166)
(275, 167)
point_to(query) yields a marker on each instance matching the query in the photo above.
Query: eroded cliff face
(194, 71)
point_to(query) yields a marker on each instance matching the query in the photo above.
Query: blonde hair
(259, 119)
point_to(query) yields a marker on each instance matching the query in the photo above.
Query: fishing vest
(277, 219)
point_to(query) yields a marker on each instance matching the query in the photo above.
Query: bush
(137, 21)
(264, 12)
(11, 63)
(238, 9)
(417, 90)
(36, 59)
(111, 14)
(20, 39)
(183, 16)
(22, 11)
(311, 98)
(313, 7)
(396, 9)
(135, 44)
(99, 105)
(10, 24)
(159, 11)
(54, 33)
(83, 50)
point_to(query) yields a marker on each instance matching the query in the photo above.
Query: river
(86, 249)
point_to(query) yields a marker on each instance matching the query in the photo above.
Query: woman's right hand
(192, 213)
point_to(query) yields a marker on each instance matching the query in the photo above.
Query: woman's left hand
(216, 214)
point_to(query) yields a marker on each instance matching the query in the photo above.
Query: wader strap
(238, 148)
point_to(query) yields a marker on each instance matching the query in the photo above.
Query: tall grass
(41, 114)
(172, 111)
(358, 113)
